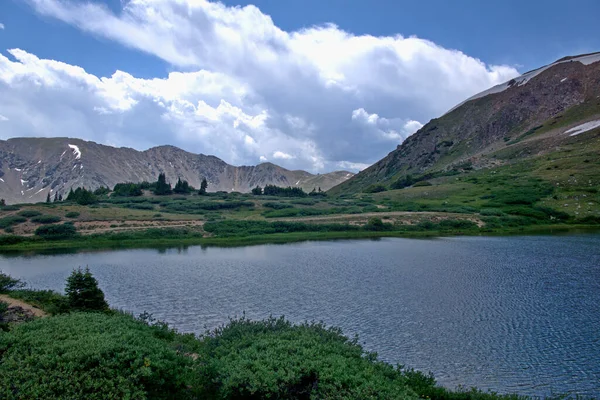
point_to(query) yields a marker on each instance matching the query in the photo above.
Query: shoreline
(106, 244)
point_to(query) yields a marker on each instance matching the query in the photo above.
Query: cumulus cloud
(243, 89)
(282, 156)
(3, 118)
(1, 26)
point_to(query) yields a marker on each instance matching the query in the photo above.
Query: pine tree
(162, 187)
(48, 198)
(203, 186)
(83, 293)
(60, 197)
(257, 191)
(55, 197)
(2, 202)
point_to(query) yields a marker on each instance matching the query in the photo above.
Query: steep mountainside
(32, 167)
(528, 117)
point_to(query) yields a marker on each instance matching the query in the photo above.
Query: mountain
(525, 118)
(30, 168)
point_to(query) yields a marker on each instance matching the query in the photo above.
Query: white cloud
(245, 88)
(263, 159)
(3, 118)
(282, 156)
(1, 25)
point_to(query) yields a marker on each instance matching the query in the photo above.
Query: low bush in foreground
(46, 219)
(29, 213)
(56, 232)
(11, 220)
(91, 356)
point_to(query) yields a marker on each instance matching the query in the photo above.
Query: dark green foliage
(376, 188)
(2, 202)
(48, 198)
(91, 356)
(403, 182)
(376, 224)
(422, 183)
(29, 213)
(247, 228)
(275, 359)
(182, 187)
(11, 208)
(6, 240)
(11, 220)
(8, 283)
(56, 232)
(83, 293)
(590, 219)
(162, 188)
(203, 187)
(46, 219)
(47, 300)
(82, 196)
(72, 214)
(127, 189)
(272, 190)
(140, 206)
(195, 207)
(277, 206)
(101, 191)
(257, 191)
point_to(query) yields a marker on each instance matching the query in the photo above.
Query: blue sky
(293, 90)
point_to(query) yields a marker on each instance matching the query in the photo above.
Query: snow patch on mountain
(76, 151)
(588, 126)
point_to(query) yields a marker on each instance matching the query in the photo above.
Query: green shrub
(277, 206)
(46, 219)
(56, 232)
(83, 293)
(91, 356)
(8, 283)
(376, 224)
(29, 213)
(11, 220)
(140, 206)
(376, 188)
(47, 300)
(72, 214)
(491, 212)
(10, 208)
(422, 183)
(275, 359)
(11, 239)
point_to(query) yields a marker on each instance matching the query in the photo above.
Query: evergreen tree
(83, 293)
(257, 191)
(182, 187)
(162, 187)
(48, 198)
(71, 195)
(60, 198)
(2, 202)
(203, 187)
(55, 197)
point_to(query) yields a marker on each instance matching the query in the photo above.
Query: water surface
(504, 313)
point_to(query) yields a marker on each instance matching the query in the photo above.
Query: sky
(306, 84)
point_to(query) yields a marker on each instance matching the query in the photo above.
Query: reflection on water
(507, 314)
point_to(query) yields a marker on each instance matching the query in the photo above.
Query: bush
(8, 283)
(10, 208)
(29, 213)
(377, 188)
(127, 189)
(56, 232)
(376, 224)
(46, 219)
(277, 360)
(83, 293)
(140, 206)
(422, 183)
(47, 300)
(91, 356)
(277, 206)
(72, 214)
(11, 220)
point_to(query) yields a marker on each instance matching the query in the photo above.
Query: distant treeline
(272, 190)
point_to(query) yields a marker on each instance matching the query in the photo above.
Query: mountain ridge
(30, 168)
(525, 117)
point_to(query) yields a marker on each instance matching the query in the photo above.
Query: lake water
(503, 313)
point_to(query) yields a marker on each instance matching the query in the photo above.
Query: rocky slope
(30, 168)
(529, 116)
